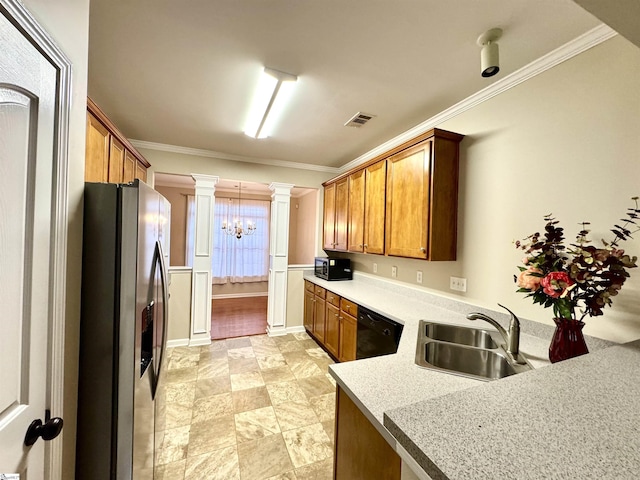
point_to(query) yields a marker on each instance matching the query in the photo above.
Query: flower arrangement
(580, 276)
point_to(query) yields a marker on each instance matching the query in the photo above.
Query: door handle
(48, 431)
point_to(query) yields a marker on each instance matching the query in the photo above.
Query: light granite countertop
(394, 393)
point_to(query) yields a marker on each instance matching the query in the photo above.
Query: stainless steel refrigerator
(122, 331)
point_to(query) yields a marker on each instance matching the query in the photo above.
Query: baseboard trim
(199, 342)
(179, 342)
(239, 295)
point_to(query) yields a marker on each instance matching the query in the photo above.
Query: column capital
(206, 181)
(281, 188)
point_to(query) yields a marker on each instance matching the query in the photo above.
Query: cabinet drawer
(333, 299)
(319, 291)
(349, 307)
(309, 287)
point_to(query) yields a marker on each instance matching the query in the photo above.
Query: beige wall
(178, 199)
(67, 21)
(182, 164)
(295, 296)
(303, 225)
(179, 325)
(239, 289)
(565, 142)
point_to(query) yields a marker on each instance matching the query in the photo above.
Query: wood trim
(434, 132)
(97, 112)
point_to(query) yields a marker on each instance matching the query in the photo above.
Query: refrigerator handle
(165, 305)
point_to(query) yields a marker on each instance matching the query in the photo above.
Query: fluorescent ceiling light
(273, 92)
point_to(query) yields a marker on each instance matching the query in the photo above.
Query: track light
(489, 56)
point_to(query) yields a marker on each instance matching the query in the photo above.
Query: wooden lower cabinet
(318, 319)
(331, 320)
(361, 453)
(309, 310)
(348, 333)
(332, 332)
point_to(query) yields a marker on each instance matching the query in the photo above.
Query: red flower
(555, 284)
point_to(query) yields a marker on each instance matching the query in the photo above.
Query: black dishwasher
(377, 335)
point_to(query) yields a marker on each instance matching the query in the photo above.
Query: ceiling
(183, 73)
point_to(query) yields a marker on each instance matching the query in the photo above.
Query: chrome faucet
(512, 339)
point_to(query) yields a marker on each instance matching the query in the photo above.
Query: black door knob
(47, 431)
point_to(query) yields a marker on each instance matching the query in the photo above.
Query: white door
(27, 113)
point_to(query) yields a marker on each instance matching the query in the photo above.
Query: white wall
(565, 142)
(67, 21)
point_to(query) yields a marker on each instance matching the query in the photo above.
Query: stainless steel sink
(469, 352)
(461, 335)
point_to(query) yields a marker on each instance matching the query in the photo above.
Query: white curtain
(245, 259)
(191, 230)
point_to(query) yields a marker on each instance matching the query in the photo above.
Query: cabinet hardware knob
(365, 245)
(422, 249)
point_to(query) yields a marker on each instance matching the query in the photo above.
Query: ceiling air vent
(359, 119)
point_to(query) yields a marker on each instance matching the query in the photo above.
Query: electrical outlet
(419, 276)
(458, 284)
(375, 268)
(394, 272)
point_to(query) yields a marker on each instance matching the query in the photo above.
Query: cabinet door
(141, 172)
(129, 170)
(355, 228)
(97, 151)
(309, 309)
(342, 211)
(407, 202)
(329, 222)
(116, 161)
(348, 333)
(318, 318)
(332, 329)
(374, 201)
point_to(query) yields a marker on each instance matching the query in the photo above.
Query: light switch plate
(394, 272)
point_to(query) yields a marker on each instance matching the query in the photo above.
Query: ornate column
(203, 249)
(278, 258)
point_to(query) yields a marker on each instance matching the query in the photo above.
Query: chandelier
(235, 228)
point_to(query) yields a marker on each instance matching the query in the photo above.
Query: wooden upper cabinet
(342, 212)
(374, 203)
(336, 204)
(97, 151)
(116, 161)
(403, 203)
(407, 202)
(329, 232)
(422, 199)
(109, 156)
(129, 170)
(355, 222)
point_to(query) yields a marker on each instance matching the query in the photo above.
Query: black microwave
(333, 268)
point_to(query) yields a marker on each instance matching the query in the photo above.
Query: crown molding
(567, 51)
(228, 156)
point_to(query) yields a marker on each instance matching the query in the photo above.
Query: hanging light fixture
(235, 228)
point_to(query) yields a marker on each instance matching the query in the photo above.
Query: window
(246, 259)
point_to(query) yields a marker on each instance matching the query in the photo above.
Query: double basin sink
(465, 351)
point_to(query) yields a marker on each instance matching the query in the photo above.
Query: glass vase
(568, 340)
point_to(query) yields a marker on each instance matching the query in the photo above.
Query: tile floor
(248, 408)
